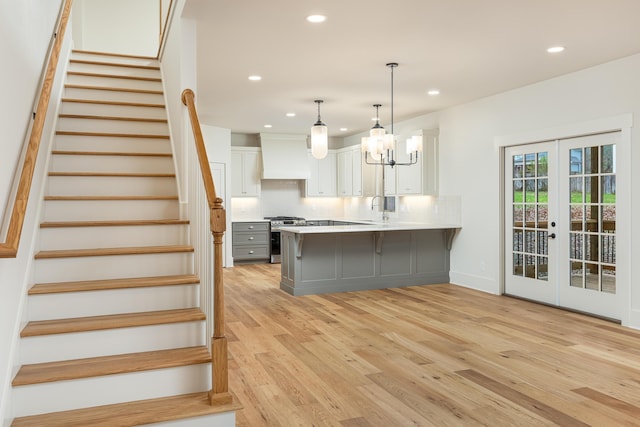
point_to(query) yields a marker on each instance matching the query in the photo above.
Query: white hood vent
(284, 156)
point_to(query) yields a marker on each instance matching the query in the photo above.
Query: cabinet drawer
(251, 238)
(250, 226)
(250, 252)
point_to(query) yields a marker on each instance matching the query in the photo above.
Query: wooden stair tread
(115, 135)
(114, 76)
(83, 198)
(108, 153)
(121, 55)
(134, 250)
(107, 284)
(111, 321)
(56, 224)
(131, 413)
(113, 89)
(115, 174)
(119, 103)
(117, 118)
(64, 370)
(115, 64)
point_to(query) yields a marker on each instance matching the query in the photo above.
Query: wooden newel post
(220, 373)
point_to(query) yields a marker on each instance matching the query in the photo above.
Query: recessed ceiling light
(291, 114)
(433, 92)
(555, 49)
(268, 126)
(255, 78)
(316, 18)
(343, 129)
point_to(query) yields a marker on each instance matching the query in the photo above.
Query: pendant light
(319, 137)
(380, 144)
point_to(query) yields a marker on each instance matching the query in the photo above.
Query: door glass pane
(577, 275)
(543, 264)
(608, 159)
(518, 191)
(542, 164)
(593, 219)
(518, 240)
(518, 166)
(530, 164)
(517, 264)
(608, 189)
(575, 156)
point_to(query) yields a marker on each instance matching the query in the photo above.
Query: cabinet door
(245, 174)
(409, 178)
(345, 174)
(251, 173)
(327, 176)
(390, 180)
(322, 182)
(356, 168)
(236, 174)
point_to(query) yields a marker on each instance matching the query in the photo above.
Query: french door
(560, 223)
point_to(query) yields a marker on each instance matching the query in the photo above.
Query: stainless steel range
(276, 223)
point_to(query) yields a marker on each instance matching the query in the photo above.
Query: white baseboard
(479, 283)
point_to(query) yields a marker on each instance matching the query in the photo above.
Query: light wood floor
(436, 355)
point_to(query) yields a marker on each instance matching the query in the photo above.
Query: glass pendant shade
(414, 144)
(389, 141)
(319, 140)
(319, 136)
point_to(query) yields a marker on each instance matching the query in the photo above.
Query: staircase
(115, 335)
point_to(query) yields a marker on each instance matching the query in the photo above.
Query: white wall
(470, 164)
(121, 26)
(26, 28)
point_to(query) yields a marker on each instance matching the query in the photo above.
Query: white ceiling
(468, 49)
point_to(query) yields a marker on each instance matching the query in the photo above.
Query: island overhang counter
(325, 259)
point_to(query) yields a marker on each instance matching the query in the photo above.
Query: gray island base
(318, 260)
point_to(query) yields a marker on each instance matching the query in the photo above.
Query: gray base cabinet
(251, 242)
(339, 262)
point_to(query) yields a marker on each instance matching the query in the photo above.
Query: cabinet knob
(250, 252)
(251, 227)
(251, 238)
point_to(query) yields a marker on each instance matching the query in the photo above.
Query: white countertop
(368, 226)
(251, 220)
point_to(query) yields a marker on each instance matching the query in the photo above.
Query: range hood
(284, 156)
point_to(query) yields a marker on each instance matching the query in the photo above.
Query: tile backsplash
(286, 197)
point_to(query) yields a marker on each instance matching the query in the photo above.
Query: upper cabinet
(349, 165)
(322, 182)
(245, 172)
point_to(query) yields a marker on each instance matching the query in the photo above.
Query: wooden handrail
(9, 248)
(220, 372)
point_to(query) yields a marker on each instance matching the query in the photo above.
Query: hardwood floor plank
(436, 355)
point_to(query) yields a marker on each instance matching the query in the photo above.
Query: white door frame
(622, 123)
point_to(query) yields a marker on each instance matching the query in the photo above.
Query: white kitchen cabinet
(420, 178)
(349, 163)
(245, 172)
(345, 173)
(322, 182)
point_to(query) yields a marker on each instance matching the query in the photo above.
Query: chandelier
(379, 147)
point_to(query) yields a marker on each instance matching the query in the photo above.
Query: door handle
(552, 235)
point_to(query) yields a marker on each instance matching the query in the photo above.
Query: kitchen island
(342, 258)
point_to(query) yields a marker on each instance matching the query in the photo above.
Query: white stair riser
(225, 419)
(109, 389)
(114, 59)
(90, 80)
(111, 144)
(116, 301)
(113, 110)
(109, 210)
(110, 95)
(113, 126)
(111, 186)
(56, 238)
(117, 70)
(112, 267)
(107, 163)
(80, 345)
